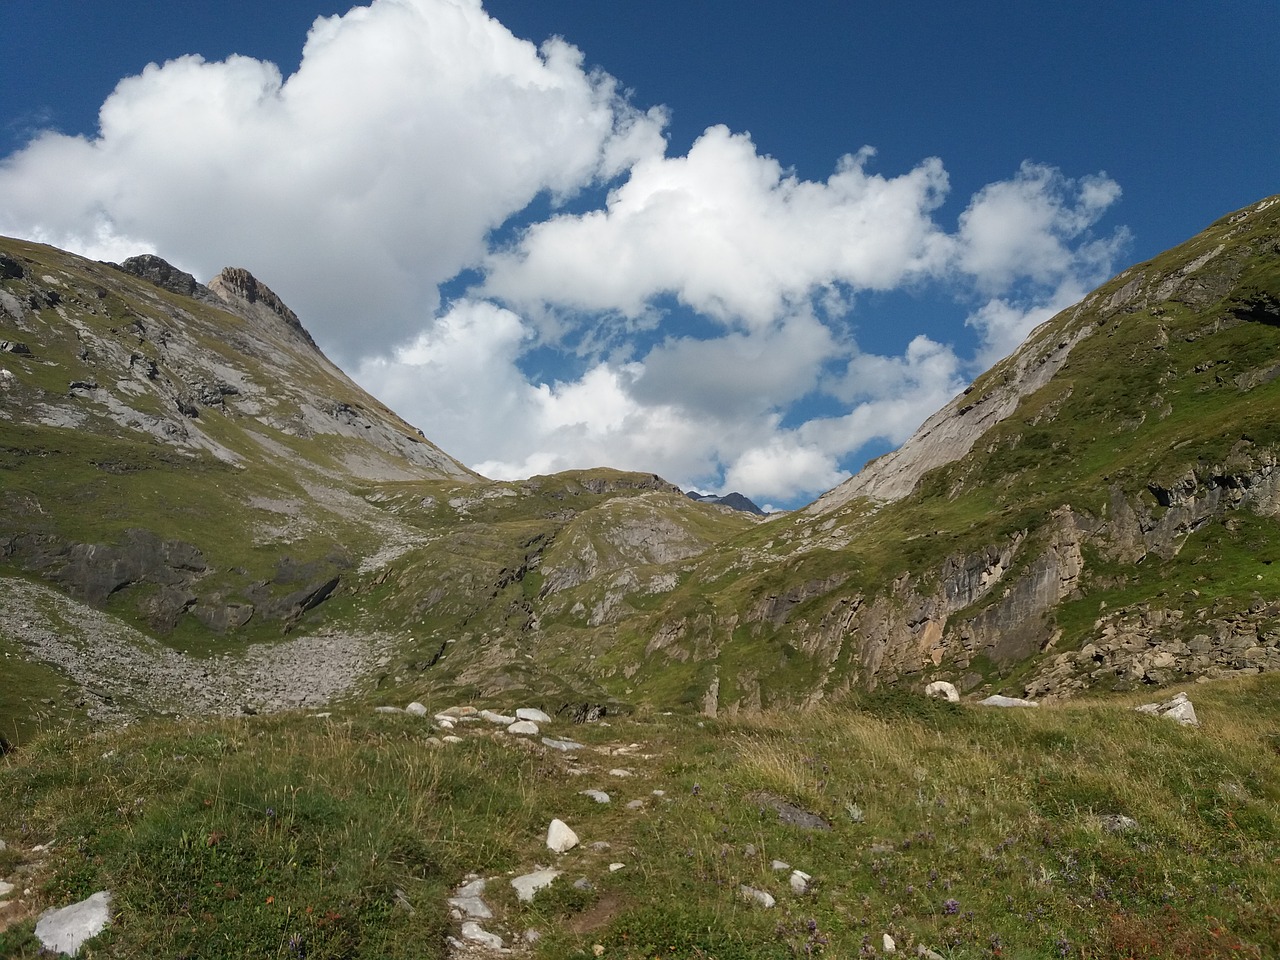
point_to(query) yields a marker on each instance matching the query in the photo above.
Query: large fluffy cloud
(731, 234)
(411, 129)
(693, 315)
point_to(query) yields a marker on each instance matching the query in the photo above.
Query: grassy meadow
(970, 832)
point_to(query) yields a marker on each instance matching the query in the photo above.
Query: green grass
(977, 833)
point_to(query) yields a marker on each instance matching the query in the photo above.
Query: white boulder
(1179, 709)
(560, 838)
(943, 690)
(533, 714)
(1000, 701)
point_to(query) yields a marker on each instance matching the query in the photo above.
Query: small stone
(560, 838)
(761, 897)
(583, 884)
(927, 954)
(780, 865)
(529, 884)
(889, 945)
(416, 709)
(615, 867)
(599, 796)
(659, 793)
(497, 718)
(619, 772)
(525, 728)
(799, 881)
(451, 739)
(533, 714)
(67, 929)
(597, 950)
(387, 710)
(635, 804)
(6, 888)
(532, 936)
(601, 845)
(477, 934)
(1117, 823)
(445, 724)
(749, 850)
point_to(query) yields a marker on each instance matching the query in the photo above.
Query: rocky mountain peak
(164, 275)
(238, 284)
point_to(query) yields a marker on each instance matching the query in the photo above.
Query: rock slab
(67, 929)
(529, 884)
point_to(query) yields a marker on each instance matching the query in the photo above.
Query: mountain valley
(218, 554)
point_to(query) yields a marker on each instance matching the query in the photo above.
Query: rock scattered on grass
(477, 934)
(529, 884)
(533, 714)
(799, 881)
(560, 838)
(1117, 823)
(524, 728)
(761, 897)
(562, 745)
(943, 690)
(416, 709)
(1001, 701)
(66, 930)
(467, 899)
(1179, 709)
(599, 796)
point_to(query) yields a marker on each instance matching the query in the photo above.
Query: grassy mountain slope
(1111, 523)
(1098, 510)
(183, 458)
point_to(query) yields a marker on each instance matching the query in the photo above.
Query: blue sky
(640, 246)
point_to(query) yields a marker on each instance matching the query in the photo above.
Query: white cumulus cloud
(353, 187)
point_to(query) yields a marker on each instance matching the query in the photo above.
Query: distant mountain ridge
(734, 501)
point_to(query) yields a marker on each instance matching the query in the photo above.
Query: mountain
(1096, 511)
(734, 501)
